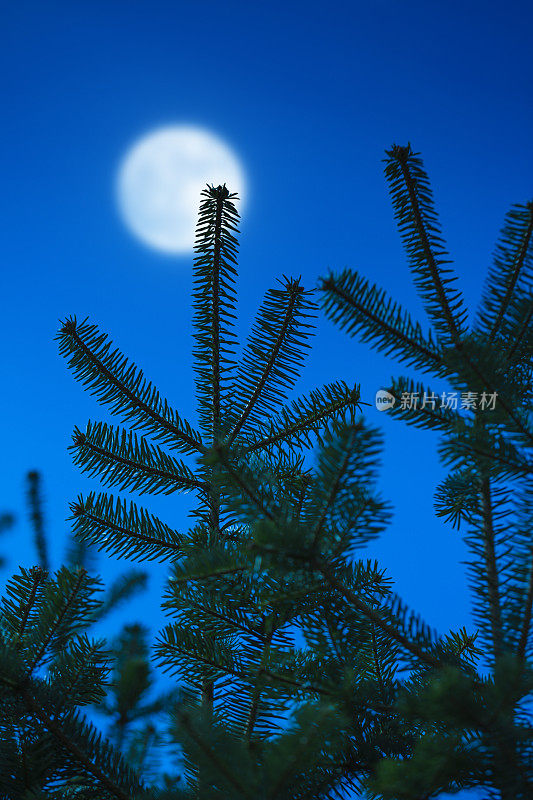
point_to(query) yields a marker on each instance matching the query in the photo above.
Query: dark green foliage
(130, 705)
(107, 374)
(504, 301)
(49, 668)
(302, 676)
(290, 647)
(130, 462)
(485, 737)
(121, 528)
(247, 595)
(380, 319)
(418, 224)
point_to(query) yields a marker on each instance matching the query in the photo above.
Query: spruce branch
(376, 661)
(491, 451)
(457, 498)
(214, 304)
(524, 328)
(308, 739)
(254, 706)
(211, 755)
(121, 458)
(525, 627)
(505, 404)
(37, 575)
(335, 485)
(309, 415)
(201, 570)
(68, 606)
(108, 375)
(81, 671)
(216, 249)
(417, 219)
(215, 326)
(512, 265)
(123, 529)
(364, 309)
(231, 623)
(89, 765)
(272, 358)
(236, 473)
(491, 567)
(424, 411)
(426, 658)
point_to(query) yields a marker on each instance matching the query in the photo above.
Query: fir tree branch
(528, 614)
(21, 739)
(411, 647)
(491, 567)
(294, 292)
(119, 457)
(214, 241)
(306, 484)
(491, 389)
(428, 413)
(376, 661)
(335, 486)
(515, 271)
(220, 195)
(91, 657)
(332, 638)
(214, 573)
(238, 480)
(106, 374)
(214, 304)
(254, 706)
(306, 416)
(448, 421)
(304, 742)
(78, 585)
(191, 649)
(376, 317)
(302, 686)
(54, 728)
(418, 190)
(523, 330)
(38, 575)
(233, 623)
(470, 446)
(210, 753)
(215, 320)
(129, 531)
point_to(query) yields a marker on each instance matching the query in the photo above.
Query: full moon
(160, 180)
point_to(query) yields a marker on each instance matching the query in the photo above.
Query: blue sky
(308, 95)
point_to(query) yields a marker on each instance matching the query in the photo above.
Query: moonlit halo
(160, 180)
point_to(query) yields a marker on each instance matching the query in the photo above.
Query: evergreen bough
(478, 728)
(302, 675)
(47, 625)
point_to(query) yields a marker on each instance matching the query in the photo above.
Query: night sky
(308, 95)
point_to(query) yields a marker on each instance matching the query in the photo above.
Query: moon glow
(160, 180)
